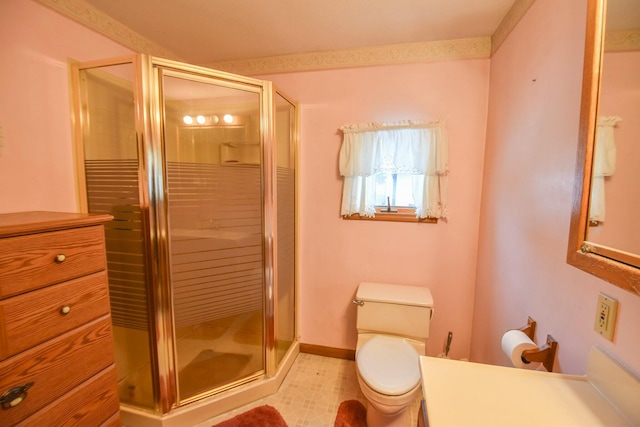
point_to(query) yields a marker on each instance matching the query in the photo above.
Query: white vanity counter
(472, 394)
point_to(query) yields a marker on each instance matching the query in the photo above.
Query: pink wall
(532, 134)
(336, 254)
(36, 153)
(518, 236)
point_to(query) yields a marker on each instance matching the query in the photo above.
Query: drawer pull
(14, 396)
(66, 309)
(60, 258)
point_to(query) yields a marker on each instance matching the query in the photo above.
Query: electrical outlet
(606, 311)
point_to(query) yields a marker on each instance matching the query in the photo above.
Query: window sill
(402, 215)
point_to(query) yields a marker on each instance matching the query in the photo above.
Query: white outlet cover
(605, 319)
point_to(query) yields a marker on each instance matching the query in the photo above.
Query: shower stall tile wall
(217, 258)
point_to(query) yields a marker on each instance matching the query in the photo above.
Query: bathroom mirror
(605, 230)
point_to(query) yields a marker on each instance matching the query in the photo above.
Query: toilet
(393, 326)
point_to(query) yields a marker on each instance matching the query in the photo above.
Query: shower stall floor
(219, 351)
(209, 355)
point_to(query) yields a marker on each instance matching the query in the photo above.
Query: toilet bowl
(389, 377)
(393, 326)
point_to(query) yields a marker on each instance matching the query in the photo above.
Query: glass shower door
(285, 131)
(212, 154)
(198, 169)
(109, 164)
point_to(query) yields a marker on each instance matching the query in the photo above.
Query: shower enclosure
(198, 169)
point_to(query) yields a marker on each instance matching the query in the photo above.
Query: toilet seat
(389, 365)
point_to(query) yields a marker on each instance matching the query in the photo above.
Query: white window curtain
(416, 148)
(604, 164)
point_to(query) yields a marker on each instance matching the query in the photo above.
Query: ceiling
(209, 31)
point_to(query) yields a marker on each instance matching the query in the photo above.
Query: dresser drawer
(92, 403)
(34, 317)
(34, 261)
(56, 367)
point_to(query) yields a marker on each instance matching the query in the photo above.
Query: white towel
(604, 164)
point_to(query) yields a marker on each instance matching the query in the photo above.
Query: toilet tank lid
(392, 293)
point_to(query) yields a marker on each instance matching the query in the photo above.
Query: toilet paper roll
(514, 342)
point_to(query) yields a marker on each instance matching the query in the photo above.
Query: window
(394, 171)
(393, 189)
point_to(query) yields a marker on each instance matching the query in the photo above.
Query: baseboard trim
(320, 350)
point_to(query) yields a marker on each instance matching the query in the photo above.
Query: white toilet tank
(394, 309)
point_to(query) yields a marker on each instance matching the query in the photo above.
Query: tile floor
(311, 393)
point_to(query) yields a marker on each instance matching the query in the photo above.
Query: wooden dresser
(56, 343)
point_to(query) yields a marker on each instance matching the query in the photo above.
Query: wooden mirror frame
(606, 263)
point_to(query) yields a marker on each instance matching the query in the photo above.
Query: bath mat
(210, 368)
(261, 416)
(351, 413)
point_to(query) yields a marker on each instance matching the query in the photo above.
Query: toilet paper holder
(530, 329)
(545, 354)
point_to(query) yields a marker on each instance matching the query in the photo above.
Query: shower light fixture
(202, 120)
